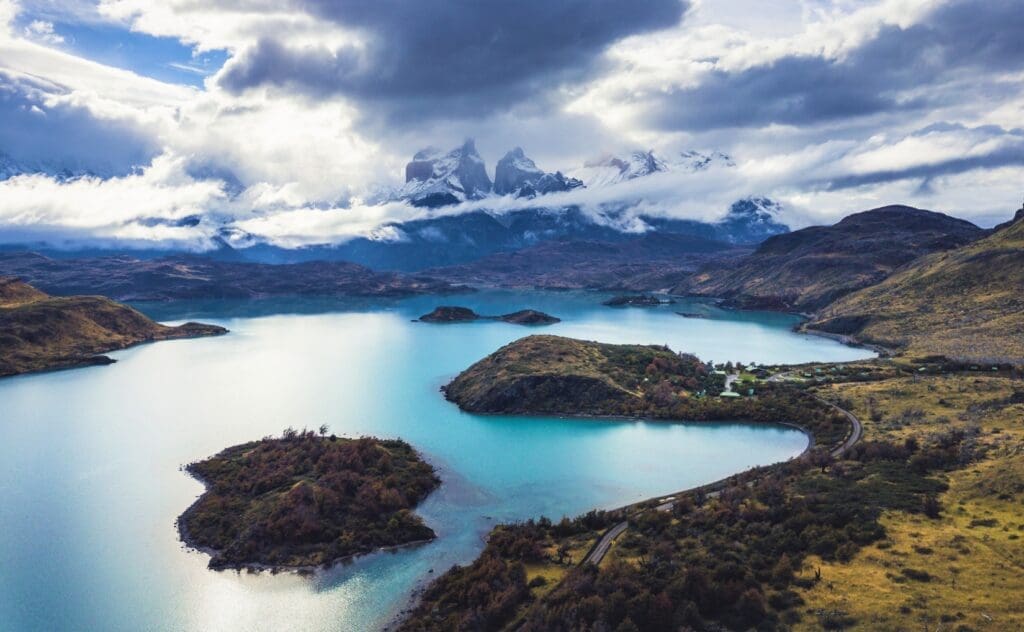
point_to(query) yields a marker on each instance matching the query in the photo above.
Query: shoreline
(258, 567)
(101, 359)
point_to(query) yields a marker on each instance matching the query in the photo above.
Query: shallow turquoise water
(89, 462)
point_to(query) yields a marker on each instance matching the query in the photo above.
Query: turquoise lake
(90, 478)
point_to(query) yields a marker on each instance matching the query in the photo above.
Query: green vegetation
(39, 332)
(307, 500)
(552, 374)
(918, 526)
(965, 303)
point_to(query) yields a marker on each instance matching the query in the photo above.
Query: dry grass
(973, 554)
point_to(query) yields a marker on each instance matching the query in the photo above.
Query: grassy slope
(976, 568)
(966, 303)
(508, 378)
(39, 332)
(307, 500)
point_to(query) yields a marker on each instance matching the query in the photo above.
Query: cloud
(134, 210)
(41, 30)
(937, 150)
(458, 58)
(830, 107)
(47, 128)
(883, 75)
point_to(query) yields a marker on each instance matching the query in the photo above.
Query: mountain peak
(517, 174)
(752, 220)
(434, 179)
(610, 169)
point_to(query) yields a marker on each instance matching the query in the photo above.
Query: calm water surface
(90, 480)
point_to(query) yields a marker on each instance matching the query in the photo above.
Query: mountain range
(809, 268)
(965, 303)
(436, 180)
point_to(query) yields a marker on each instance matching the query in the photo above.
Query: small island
(306, 500)
(455, 314)
(636, 300)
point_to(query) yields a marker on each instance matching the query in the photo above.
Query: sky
(283, 119)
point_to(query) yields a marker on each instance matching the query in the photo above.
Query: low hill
(647, 262)
(966, 303)
(188, 277)
(39, 332)
(809, 268)
(556, 375)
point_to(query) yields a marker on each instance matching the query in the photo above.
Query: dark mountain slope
(126, 278)
(809, 268)
(650, 261)
(966, 303)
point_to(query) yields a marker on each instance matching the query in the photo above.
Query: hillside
(966, 303)
(809, 268)
(39, 332)
(187, 277)
(307, 500)
(916, 527)
(651, 261)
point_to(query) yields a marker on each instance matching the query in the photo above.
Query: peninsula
(306, 500)
(40, 332)
(925, 469)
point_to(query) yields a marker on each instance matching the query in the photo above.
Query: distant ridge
(966, 303)
(809, 268)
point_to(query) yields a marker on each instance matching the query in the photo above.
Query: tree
(323, 430)
(563, 552)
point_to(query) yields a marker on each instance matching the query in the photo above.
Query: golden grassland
(965, 303)
(964, 571)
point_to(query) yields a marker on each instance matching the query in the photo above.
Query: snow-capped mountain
(516, 174)
(434, 179)
(62, 171)
(752, 220)
(610, 170)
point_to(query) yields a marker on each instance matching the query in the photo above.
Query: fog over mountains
(462, 215)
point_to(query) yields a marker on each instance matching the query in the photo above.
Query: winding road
(604, 544)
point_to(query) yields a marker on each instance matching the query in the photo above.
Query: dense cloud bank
(836, 108)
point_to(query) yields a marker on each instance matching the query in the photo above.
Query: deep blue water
(90, 483)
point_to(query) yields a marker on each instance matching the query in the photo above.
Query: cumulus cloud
(885, 65)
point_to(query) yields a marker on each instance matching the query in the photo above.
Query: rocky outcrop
(516, 174)
(435, 179)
